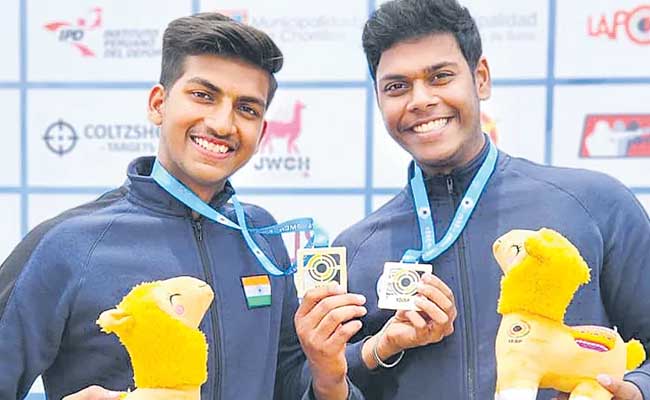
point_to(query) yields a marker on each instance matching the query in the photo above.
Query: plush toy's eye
(171, 298)
(517, 248)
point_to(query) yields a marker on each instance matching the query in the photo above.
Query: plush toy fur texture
(534, 348)
(158, 322)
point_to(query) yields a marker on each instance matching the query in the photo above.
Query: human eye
(202, 95)
(440, 78)
(250, 111)
(395, 87)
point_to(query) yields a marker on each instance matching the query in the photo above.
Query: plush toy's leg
(517, 394)
(590, 390)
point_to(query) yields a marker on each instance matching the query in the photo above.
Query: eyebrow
(428, 70)
(213, 88)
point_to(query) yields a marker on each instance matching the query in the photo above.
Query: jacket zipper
(197, 228)
(467, 307)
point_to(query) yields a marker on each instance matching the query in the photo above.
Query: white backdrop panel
(315, 37)
(509, 29)
(10, 149)
(604, 128)
(105, 40)
(311, 141)
(73, 141)
(10, 216)
(515, 117)
(9, 45)
(602, 38)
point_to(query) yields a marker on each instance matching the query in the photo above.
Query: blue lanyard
(431, 249)
(187, 197)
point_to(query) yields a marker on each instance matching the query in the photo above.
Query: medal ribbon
(430, 248)
(183, 194)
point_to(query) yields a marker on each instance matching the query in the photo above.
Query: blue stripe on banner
(603, 81)
(370, 131)
(24, 200)
(550, 87)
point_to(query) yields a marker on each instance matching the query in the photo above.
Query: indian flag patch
(257, 289)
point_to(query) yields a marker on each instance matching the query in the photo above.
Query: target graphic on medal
(397, 286)
(404, 282)
(320, 266)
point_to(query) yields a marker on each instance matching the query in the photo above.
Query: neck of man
(469, 151)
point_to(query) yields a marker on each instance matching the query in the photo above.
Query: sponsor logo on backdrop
(279, 150)
(61, 137)
(307, 28)
(489, 126)
(631, 25)
(616, 136)
(93, 36)
(74, 31)
(509, 27)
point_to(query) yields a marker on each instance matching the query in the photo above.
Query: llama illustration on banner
(74, 32)
(287, 159)
(284, 130)
(616, 136)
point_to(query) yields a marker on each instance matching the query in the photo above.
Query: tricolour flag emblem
(257, 289)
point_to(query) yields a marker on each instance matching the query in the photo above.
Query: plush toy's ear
(115, 320)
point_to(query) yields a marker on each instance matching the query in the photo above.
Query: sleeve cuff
(353, 392)
(642, 380)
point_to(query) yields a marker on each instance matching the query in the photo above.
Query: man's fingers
(434, 281)
(344, 333)
(416, 319)
(432, 310)
(620, 388)
(314, 296)
(336, 317)
(94, 393)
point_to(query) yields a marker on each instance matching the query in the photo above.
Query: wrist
(330, 388)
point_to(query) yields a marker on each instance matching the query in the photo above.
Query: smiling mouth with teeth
(431, 125)
(209, 146)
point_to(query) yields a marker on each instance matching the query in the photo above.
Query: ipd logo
(73, 32)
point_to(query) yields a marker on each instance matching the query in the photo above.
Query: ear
(115, 320)
(155, 107)
(482, 79)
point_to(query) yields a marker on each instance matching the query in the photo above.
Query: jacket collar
(145, 191)
(459, 178)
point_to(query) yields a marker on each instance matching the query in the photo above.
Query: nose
(422, 97)
(221, 118)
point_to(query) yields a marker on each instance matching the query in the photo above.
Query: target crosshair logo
(60, 137)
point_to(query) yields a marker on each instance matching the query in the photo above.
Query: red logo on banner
(73, 32)
(635, 24)
(616, 136)
(287, 160)
(286, 130)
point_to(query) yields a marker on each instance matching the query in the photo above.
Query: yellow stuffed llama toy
(158, 323)
(534, 349)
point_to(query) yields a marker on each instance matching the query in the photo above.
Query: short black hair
(401, 20)
(216, 34)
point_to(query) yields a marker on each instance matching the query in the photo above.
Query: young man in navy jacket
(430, 75)
(215, 87)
